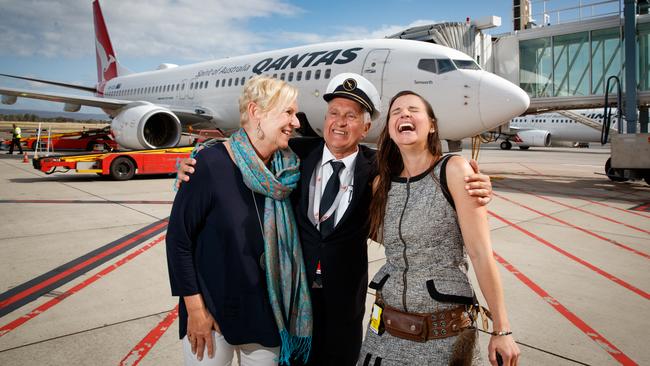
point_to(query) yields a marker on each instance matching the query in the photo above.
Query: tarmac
(83, 274)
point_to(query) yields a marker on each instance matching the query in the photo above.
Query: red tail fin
(106, 59)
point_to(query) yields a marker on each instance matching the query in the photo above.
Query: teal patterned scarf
(286, 277)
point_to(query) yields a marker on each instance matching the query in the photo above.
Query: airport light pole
(629, 14)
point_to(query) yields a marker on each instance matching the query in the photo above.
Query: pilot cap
(355, 87)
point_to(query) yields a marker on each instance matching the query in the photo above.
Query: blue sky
(54, 39)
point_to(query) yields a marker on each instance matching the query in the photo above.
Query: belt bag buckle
(406, 325)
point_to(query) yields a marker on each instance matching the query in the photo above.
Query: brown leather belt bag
(421, 327)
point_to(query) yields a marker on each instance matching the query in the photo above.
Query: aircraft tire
(615, 175)
(122, 168)
(505, 145)
(524, 147)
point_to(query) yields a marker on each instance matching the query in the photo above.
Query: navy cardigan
(214, 244)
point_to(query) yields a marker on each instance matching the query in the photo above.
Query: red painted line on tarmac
(607, 275)
(146, 344)
(623, 246)
(131, 202)
(534, 171)
(617, 208)
(579, 209)
(77, 267)
(645, 207)
(44, 307)
(601, 341)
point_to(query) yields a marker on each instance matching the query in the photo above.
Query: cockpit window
(467, 65)
(445, 65)
(428, 64)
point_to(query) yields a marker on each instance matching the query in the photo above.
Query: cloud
(183, 28)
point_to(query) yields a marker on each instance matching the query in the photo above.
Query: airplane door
(191, 89)
(180, 91)
(373, 68)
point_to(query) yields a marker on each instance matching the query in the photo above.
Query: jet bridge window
(467, 65)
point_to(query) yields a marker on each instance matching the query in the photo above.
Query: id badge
(375, 319)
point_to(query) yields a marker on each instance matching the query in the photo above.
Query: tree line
(30, 117)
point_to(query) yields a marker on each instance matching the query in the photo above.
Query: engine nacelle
(142, 125)
(533, 138)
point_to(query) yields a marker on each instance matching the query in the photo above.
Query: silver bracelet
(501, 333)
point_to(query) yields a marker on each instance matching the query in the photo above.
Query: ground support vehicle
(97, 139)
(122, 165)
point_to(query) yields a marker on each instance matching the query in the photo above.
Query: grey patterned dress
(430, 249)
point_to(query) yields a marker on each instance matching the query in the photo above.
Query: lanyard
(346, 184)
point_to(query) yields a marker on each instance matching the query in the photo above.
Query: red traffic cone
(25, 159)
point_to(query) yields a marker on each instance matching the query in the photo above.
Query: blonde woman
(233, 250)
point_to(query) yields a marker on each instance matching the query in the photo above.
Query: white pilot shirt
(325, 171)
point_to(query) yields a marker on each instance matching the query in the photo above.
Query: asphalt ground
(83, 275)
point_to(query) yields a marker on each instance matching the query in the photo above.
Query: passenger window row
(220, 83)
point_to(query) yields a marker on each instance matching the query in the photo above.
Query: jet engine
(143, 125)
(533, 138)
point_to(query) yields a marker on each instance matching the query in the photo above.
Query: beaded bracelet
(501, 333)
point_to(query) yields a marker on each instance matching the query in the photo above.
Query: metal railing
(552, 12)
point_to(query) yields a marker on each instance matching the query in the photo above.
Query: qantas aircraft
(543, 129)
(151, 109)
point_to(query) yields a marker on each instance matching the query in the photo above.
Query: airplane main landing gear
(506, 145)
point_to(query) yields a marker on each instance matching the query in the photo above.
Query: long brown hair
(389, 163)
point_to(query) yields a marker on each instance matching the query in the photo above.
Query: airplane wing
(91, 101)
(103, 103)
(57, 83)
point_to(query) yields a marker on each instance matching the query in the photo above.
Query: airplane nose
(500, 100)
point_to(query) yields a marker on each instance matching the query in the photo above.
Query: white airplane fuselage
(465, 101)
(562, 128)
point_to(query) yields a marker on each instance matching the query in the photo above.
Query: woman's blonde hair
(268, 93)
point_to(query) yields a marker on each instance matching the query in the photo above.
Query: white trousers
(248, 354)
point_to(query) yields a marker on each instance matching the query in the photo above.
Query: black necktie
(329, 195)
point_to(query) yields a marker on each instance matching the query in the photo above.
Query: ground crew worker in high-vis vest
(15, 140)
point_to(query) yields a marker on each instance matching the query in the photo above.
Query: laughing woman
(428, 224)
(233, 251)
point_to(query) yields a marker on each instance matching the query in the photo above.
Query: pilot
(331, 205)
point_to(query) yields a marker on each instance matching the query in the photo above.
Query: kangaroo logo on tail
(106, 59)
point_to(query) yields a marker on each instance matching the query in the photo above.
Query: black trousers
(334, 341)
(15, 141)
